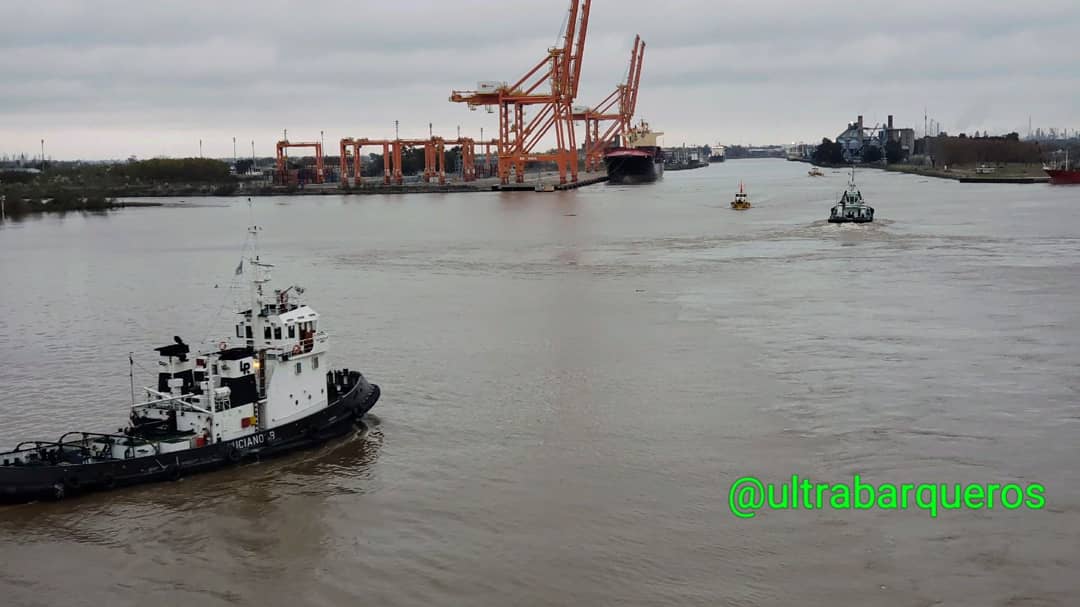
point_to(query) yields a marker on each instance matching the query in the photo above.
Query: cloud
(116, 77)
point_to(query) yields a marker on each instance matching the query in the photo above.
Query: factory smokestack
(890, 122)
(860, 123)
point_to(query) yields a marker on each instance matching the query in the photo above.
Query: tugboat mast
(131, 376)
(258, 279)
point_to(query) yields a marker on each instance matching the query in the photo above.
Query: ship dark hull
(630, 167)
(1064, 177)
(20, 484)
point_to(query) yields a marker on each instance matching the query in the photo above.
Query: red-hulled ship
(1062, 174)
(641, 160)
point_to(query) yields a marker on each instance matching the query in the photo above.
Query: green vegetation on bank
(156, 171)
(21, 205)
(95, 186)
(1030, 172)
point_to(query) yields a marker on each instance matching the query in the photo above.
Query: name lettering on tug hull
(256, 440)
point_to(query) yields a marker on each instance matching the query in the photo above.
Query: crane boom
(549, 90)
(620, 121)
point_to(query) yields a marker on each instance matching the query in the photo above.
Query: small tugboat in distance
(742, 199)
(816, 172)
(852, 208)
(268, 392)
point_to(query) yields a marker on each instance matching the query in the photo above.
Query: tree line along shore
(80, 186)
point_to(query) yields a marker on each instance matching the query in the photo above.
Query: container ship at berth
(640, 160)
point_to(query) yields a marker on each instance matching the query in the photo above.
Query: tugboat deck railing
(30, 445)
(80, 446)
(168, 401)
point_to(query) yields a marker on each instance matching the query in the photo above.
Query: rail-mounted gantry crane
(617, 109)
(393, 151)
(283, 159)
(355, 145)
(548, 90)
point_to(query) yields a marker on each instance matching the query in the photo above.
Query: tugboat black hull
(20, 484)
(851, 214)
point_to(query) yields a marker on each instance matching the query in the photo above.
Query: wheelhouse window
(247, 331)
(292, 331)
(238, 333)
(266, 332)
(277, 332)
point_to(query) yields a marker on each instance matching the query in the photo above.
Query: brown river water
(571, 384)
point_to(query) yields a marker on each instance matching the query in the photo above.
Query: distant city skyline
(150, 79)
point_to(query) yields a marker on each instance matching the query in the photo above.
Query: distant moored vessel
(1063, 174)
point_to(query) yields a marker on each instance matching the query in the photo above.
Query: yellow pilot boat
(742, 201)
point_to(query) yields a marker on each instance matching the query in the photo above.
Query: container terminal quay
(542, 138)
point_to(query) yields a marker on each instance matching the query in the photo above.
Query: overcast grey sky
(111, 78)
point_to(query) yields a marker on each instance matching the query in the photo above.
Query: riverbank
(10, 209)
(1017, 173)
(88, 186)
(539, 182)
(1002, 173)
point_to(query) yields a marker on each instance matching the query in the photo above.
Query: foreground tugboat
(270, 392)
(852, 208)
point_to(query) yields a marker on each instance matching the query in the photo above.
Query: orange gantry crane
(355, 145)
(283, 158)
(393, 150)
(549, 90)
(617, 109)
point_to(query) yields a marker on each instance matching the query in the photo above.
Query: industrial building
(858, 138)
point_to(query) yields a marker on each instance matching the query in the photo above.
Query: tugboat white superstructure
(852, 208)
(268, 391)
